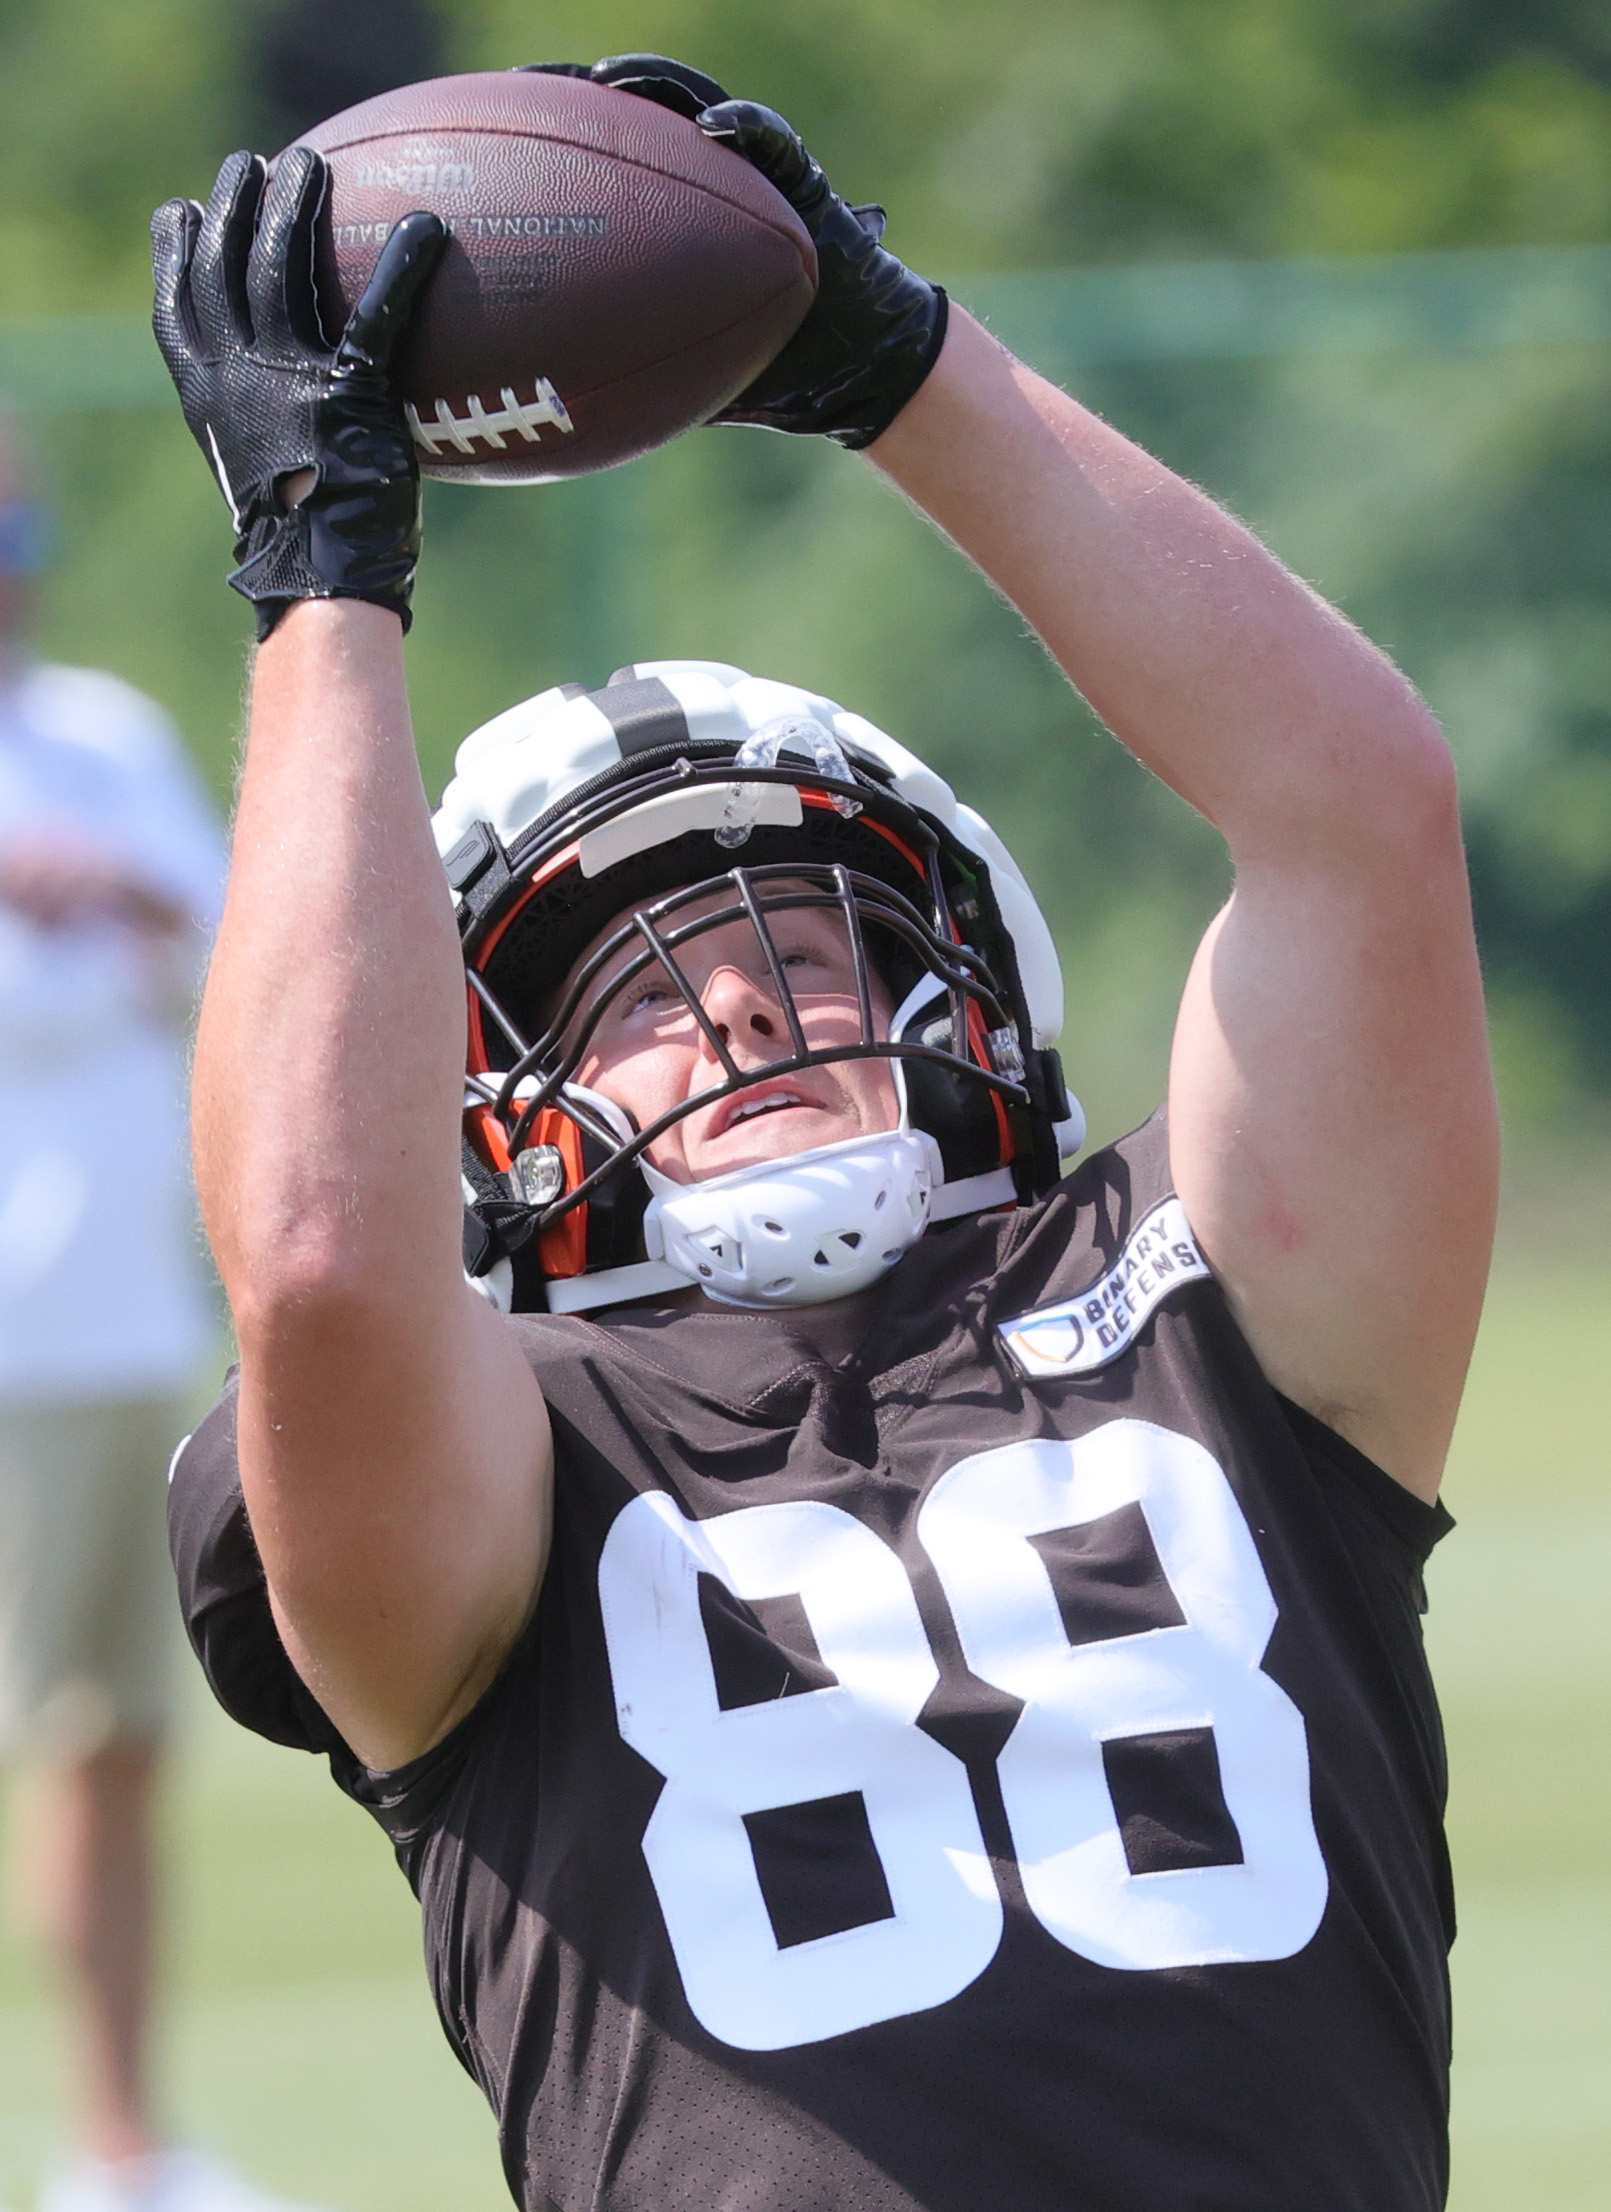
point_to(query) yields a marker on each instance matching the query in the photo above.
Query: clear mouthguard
(799, 733)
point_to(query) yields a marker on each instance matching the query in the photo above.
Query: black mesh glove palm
(875, 330)
(266, 393)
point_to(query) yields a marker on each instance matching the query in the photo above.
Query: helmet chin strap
(797, 1231)
(804, 1204)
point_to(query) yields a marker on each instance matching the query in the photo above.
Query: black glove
(874, 331)
(266, 393)
(670, 84)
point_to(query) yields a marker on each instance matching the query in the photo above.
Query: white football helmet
(686, 796)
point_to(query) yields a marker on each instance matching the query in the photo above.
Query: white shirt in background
(103, 1286)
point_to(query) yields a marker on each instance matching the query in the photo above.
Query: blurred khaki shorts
(88, 1611)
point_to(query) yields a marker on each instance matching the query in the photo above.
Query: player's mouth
(759, 1100)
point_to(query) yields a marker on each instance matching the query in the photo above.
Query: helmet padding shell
(519, 767)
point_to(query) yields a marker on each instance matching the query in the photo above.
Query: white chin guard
(796, 1231)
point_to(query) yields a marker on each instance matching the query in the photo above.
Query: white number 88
(861, 1734)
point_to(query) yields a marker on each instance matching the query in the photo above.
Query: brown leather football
(612, 277)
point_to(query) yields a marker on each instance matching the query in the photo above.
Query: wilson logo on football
(481, 426)
(415, 176)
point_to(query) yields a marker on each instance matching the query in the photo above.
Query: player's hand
(57, 881)
(269, 398)
(875, 329)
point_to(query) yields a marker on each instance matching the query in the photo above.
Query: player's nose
(742, 1010)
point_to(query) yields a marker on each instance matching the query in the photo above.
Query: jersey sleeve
(1400, 1527)
(1126, 1183)
(224, 1596)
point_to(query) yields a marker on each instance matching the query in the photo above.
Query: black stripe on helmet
(643, 713)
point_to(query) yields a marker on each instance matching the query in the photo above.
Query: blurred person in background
(111, 882)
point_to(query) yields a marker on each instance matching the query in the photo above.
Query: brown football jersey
(971, 1749)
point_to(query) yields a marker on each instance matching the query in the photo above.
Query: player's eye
(807, 953)
(820, 968)
(640, 999)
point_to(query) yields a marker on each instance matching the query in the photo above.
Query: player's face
(649, 1054)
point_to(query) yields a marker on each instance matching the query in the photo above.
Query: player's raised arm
(393, 1445)
(1333, 1130)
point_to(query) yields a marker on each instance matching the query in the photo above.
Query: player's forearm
(1215, 665)
(329, 1052)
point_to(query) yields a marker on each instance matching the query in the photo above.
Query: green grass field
(302, 2042)
(1520, 1634)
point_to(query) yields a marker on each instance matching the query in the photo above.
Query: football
(612, 277)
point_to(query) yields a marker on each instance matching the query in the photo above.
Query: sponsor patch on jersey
(1085, 1332)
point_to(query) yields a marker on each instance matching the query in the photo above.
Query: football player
(894, 1670)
